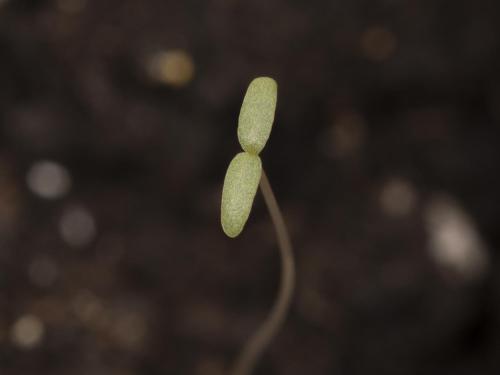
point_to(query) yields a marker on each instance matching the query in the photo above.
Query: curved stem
(261, 339)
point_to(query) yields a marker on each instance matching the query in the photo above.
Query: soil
(382, 156)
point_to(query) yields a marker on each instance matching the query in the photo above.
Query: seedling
(243, 175)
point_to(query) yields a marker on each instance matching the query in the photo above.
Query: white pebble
(455, 244)
(77, 227)
(48, 179)
(27, 332)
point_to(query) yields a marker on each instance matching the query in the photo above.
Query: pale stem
(261, 339)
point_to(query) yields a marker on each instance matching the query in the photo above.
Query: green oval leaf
(257, 114)
(240, 185)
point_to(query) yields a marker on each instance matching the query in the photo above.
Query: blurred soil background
(118, 120)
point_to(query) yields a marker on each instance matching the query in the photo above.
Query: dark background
(383, 157)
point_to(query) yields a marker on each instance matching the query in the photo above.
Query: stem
(262, 338)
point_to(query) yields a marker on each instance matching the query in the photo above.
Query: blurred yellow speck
(174, 68)
(378, 44)
(71, 6)
(27, 332)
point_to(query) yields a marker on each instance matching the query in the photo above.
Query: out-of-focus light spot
(397, 197)
(48, 179)
(71, 6)
(174, 67)
(129, 329)
(345, 137)
(455, 243)
(43, 271)
(86, 306)
(378, 43)
(77, 227)
(27, 332)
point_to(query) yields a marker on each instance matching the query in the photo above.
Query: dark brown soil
(388, 117)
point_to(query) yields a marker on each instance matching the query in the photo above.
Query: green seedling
(257, 114)
(243, 175)
(240, 185)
